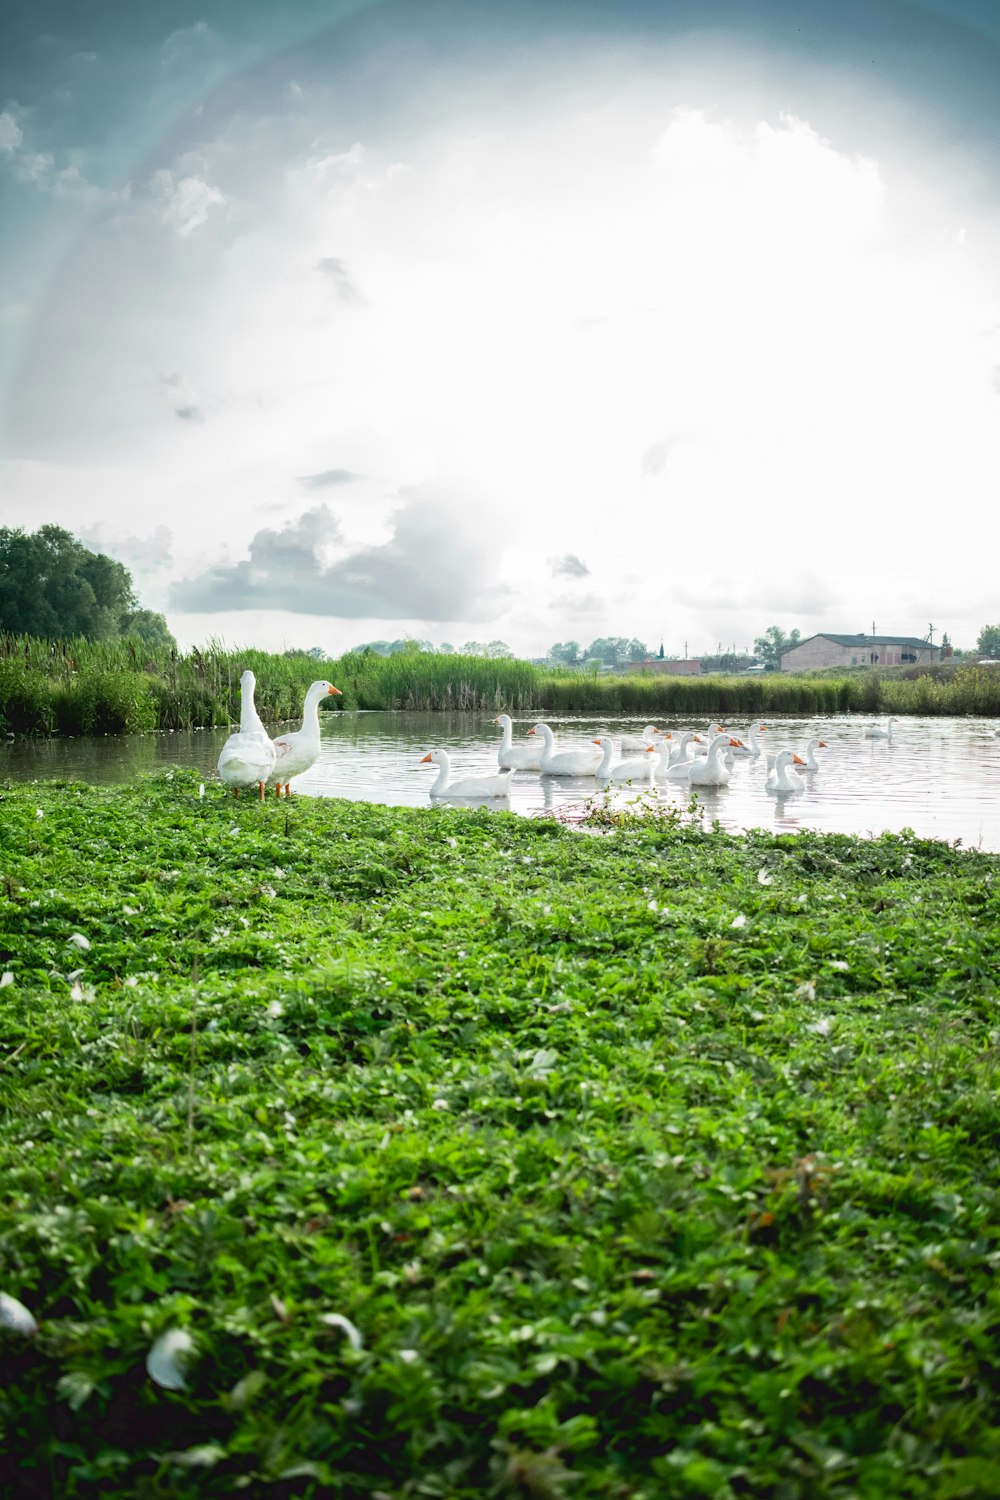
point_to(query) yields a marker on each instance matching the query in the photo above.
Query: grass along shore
(472, 1155)
(83, 687)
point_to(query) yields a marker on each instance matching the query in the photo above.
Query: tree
(988, 641)
(473, 648)
(772, 645)
(50, 585)
(152, 630)
(565, 653)
(497, 649)
(446, 648)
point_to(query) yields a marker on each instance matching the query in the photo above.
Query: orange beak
(738, 743)
(332, 689)
(595, 742)
(423, 758)
(650, 749)
(821, 745)
(797, 760)
(531, 731)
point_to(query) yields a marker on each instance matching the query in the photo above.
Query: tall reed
(110, 687)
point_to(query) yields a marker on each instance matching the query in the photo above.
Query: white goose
(748, 742)
(516, 757)
(712, 771)
(650, 736)
(877, 732)
(679, 748)
(298, 751)
(638, 768)
(466, 786)
(583, 762)
(779, 783)
(672, 756)
(247, 757)
(812, 764)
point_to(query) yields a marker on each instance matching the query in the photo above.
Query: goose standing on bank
(516, 757)
(582, 762)
(298, 751)
(466, 786)
(247, 757)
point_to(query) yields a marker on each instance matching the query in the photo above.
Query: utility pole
(930, 635)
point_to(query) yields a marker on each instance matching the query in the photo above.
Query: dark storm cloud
(570, 566)
(432, 568)
(338, 273)
(327, 477)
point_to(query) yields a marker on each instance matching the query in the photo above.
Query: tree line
(52, 586)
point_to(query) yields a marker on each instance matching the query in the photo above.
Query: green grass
(647, 1163)
(86, 687)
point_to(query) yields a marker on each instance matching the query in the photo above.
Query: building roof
(862, 639)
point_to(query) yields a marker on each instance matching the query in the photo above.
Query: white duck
(877, 732)
(582, 762)
(650, 736)
(466, 786)
(638, 768)
(247, 757)
(298, 751)
(712, 771)
(779, 782)
(516, 757)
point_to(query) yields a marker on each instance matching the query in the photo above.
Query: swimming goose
(582, 762)
(466, 786)
(779, 782)
(517, 757)
(637, 768)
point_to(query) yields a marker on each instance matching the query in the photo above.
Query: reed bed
(119, 687)
(78, 687)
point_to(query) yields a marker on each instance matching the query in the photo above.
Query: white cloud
(11, 135)
(185, 202)
(719, 358)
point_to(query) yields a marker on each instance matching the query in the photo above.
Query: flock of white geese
(252, 760)
(687, 757)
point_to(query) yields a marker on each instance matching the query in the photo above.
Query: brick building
(858, 651)
(674, 668)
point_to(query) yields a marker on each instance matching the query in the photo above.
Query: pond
(940, 777)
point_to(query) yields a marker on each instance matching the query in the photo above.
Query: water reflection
(940, 777)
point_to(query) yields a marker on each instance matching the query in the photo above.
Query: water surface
(940, 777)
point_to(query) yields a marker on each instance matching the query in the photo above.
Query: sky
(517, 320)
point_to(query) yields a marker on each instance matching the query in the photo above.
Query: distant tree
(772, 645)
(565, 653)
(51, 585)
(988, 641)
(498, 649)
(446, 649)
(473, 648)
(638, 651)
(318, 654)
(152, 629)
